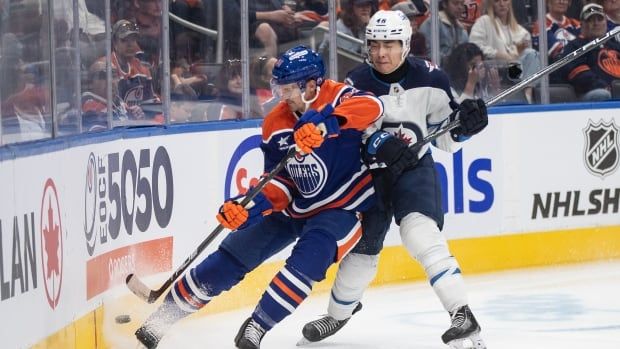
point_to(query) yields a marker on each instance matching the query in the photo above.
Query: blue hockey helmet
(298, 65)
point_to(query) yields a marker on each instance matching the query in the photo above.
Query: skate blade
(303, 341)
(472, 342)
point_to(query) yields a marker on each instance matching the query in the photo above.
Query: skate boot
(324, 327)
(147, 337)
(250, 334)
(464, 332)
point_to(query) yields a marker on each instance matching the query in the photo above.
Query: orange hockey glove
(308, 137)
(232, 215)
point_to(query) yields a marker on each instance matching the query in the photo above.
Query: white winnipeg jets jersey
(415, 106)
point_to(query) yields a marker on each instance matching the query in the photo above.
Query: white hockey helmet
(388, 26)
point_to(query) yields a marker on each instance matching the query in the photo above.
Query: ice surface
(572, 306)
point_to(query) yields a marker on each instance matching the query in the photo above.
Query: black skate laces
(254, 332)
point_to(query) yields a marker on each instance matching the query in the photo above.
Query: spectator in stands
(183, 82)
(29, 110)
(592, 74)
(471, 80)
(451, 31)
(612, 10)
(260, 81)
(11, 61)
(147, 15)
(186, 43)
(473, 10)
(95, 100)
(501, 38)
(353, 19)
(135, 84)
(227, 105)
(274, 16)
(418, 40)
(560, 29)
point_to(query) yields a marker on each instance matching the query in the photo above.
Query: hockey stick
(539, 74)
(149, 295)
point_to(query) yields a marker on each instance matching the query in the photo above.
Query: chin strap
(306, 102)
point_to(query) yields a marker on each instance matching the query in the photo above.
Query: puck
(122, 319)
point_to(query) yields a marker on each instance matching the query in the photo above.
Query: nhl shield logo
(601, 148)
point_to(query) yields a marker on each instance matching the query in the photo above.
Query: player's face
(291, 95)
(385, 55)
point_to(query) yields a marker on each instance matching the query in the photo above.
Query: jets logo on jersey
(408, 132)
(309, 174)
(601, 148)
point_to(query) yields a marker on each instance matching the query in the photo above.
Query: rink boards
(78, 214)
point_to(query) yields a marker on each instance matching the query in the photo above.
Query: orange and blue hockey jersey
(333, 175)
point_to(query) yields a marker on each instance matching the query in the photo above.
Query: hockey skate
(464, 332)
(147, 337)
(324, 327)
(250, 335)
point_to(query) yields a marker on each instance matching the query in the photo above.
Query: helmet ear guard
(389, 26)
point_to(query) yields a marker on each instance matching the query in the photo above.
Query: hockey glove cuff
(473, 117)
(384, 147)
(234, 216)
(323, 119)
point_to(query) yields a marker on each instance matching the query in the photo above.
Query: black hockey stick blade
(524, 83)
(140, 289)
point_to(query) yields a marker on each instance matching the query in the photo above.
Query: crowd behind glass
(75, 66)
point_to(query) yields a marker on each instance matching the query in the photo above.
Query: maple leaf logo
(51, 234)
(51, 243)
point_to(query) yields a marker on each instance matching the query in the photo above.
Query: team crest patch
(609, 61)
(309, 174)
(601, 148)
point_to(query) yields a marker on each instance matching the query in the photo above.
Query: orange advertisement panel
(110, 269)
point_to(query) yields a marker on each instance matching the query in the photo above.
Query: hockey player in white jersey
(417, 101)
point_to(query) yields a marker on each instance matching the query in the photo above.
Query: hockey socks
(285, 292)
(217, 273)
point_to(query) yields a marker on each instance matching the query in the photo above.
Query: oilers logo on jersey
(309, 174)
(134, 95)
